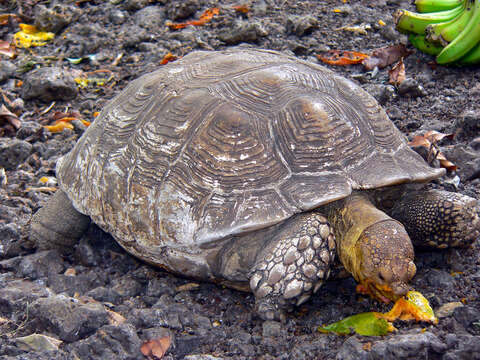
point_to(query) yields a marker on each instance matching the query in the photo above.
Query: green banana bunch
(447, 29)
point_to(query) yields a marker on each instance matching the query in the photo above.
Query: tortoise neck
(350, 217)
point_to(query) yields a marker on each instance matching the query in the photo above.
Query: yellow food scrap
(413, 306)
(381, 22)
(337, 11)
(29, 36)
(59, 127)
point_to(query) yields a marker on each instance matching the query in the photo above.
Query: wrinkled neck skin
(373, 247)
(350, 217)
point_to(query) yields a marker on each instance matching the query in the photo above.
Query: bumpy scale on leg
(293, 266)
(441, 219)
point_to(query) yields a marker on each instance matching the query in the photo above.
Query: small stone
(135, 4)
(150, 17)
(13, 152)
(466, 315)
(9, 240)
(181, 10)
(28, 129)
(117, 16)
(67, 319)
(37, 342)
(54, 19)
(242, 31)
(382, 93)
(410, 87)
(301, 25)
(7, 70)
(271, 328)
(41, 264)
(109, 342)
(447, 309)
(48, 84)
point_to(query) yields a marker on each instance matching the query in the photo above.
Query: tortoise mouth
(381, 292)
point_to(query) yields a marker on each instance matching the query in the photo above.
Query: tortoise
(255, 169)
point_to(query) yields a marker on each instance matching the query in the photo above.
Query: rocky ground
(103, 304)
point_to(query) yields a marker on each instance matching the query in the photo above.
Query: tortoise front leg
(441, 219)
(57, 224)
(293, 265)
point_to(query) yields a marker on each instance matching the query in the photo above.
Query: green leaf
(367, 324)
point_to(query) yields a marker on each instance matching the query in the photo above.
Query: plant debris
(206, 17)
(429, 142)
(155, 349)
(30, 36)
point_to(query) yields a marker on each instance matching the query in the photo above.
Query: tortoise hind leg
(441, 219)
(57, 224)
(293, 265)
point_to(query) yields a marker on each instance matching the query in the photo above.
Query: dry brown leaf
(7, 49)
(115, 318)
(341, 58)
(397, 73)
(204, 18)
(10, 117)
(155, 349)
(429, 141)
(5, 17)
(242, 9)
(168, 58)
(385, 56)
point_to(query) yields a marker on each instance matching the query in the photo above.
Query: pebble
(447, 309)
(109, 342)
(181, 9)
(382, 93)
(7, 70)
(242, 31)
(66, 318)
(150, 17)
(271, 328)
(13, 152)
(301, 25)
(408, 346)
(54, 19)
(49, 84)
(440, 279)
(9, 240)
(410, 87)
(117, 16)
(133, 5)
(466, 315)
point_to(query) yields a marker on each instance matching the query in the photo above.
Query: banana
(426, 6)
(472, 57)
(445, 32)
(465, 41)
(423, 45)
(412, 22)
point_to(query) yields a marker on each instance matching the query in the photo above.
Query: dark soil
(104, 304)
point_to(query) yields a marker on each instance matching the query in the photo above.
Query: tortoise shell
(223, 143)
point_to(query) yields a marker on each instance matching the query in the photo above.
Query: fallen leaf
(367, 324)
(168, 58)
(385, 56)
(357, 29)
(242, 9)
(7, 49)
(429, 141)
(341, 57)
(59, 127)
(38, 343)
(10, 117)
(396, 74)
(155, 349)
(187, 287)
(115, 318)
(70, 271)
(204, 18)
(29, 36)
(4, 18)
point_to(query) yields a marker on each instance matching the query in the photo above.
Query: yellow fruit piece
(381, 23)
(29, 36)
(59, 127)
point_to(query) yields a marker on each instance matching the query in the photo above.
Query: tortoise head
(384, 263)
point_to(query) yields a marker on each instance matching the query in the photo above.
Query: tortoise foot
(293, 266)
(439, 219)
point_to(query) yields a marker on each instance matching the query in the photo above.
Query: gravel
(100, 302)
